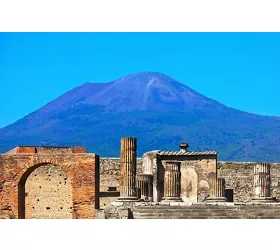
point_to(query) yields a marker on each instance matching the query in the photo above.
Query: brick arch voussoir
(40, 161)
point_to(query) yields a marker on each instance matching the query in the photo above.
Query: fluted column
(128, 169)
(172, 182)
(217, 190)
(145, 183)
(262, 180)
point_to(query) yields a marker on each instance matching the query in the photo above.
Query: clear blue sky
(241, 70)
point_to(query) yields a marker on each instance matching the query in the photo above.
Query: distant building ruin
(67, 182)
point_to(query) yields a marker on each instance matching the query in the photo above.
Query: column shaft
(128, 169)
(172, 181)
(217, 187)
(217, 190)
(262, 181)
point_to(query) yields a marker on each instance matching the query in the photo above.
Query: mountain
(158, 110)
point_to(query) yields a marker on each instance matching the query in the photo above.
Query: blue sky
(241, 70)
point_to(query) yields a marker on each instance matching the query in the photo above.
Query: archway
(45, 192)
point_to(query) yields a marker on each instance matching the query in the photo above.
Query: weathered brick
(26, 150)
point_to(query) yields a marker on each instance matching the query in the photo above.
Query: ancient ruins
(48, 182)
(67, 182)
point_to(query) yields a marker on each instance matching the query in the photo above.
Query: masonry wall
(239, 177)
(110, 172)
(110, 179)
(106, 201)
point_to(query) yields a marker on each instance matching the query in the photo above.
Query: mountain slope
(155, 108)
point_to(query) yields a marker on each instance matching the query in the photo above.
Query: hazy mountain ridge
(156, 109)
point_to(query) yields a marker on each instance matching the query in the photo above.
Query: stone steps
(207, 217)
(204, 217)
(207, 212)
(173, 208)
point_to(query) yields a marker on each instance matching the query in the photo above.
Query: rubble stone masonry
(110, 173)
(239, 176)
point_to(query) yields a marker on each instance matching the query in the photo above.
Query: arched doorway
(45, 192)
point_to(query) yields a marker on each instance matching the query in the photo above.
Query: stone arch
(35, 176)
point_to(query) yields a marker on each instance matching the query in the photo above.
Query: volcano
(160, 111)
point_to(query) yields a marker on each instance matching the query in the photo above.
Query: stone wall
(239, 177)
(110, 173)
(106, 201)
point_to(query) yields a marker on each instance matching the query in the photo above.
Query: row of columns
(132, 189)
(172, 183)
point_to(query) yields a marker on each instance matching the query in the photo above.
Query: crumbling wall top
(46, 150)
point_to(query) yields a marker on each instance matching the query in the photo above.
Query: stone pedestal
(172, 182)
(145, 183)
(128, 170)
(262, 180)
(217, 190)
